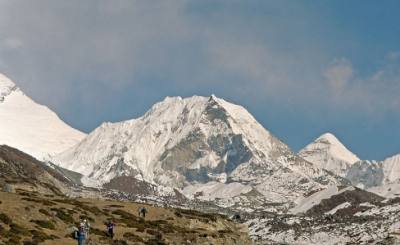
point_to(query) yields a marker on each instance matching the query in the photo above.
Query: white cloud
(375, 94)
(88, 51)
(339, 74)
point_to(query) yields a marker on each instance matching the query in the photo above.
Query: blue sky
(301, 68)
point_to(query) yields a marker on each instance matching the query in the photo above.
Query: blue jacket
(81, 236)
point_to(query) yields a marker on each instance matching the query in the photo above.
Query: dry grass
(49, 221)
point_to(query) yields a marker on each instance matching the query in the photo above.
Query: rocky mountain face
(22, 171)
(329, 153)
(366, 174)
(31, 127)
(208, 148)
(381, 177)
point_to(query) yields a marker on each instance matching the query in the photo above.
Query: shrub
(41, 201)
(98, 232)
(154, 241)
(44, 224)
(45, 212)
(132, 237)
(62, 215)
(19, 230)
(40, 236)
(92, 209)
(5, 219)
(119, 242)
(87, 217)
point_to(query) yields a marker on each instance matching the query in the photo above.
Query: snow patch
(305, 204)
(213, 190)
(340, 206)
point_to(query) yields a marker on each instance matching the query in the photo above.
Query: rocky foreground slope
(32, 218)
(22, 171)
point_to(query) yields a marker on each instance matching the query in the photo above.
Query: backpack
(75, 234)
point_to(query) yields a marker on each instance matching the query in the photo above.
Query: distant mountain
(391, 169)
(366, 174)
(329, 153)
(209, 148)
(31, 127)
(382, 176)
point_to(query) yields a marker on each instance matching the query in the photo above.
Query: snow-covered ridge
(330, 144)
(6, 86)
(305, 204)
(161, 128)
(31, 127)
(391, 169)
(196, 143)
(365, 174)
(380, 177)
(329, 153)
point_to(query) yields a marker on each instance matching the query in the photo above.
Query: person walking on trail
(110, 228)
(236, 217)
(142, 212)
(80, 235)
(86, 227)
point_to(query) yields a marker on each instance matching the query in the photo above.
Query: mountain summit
(329, 153)
(31, 127)
(205, 146)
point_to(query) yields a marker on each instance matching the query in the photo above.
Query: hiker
(142, 212)
(79, 234)
(236, 217)
(110, 228)
(86, 227)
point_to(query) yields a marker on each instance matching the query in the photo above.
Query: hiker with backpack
(79, 234)
(110, 228)
(236, 217)
(142, 212)
(86, 228)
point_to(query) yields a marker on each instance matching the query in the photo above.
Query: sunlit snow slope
(31, 127)
(200, 144)
(329, 153)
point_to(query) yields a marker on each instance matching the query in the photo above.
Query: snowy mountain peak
(329, 137)
(213, 97)
(31, 127)
(199, 144)
(329, 153)
(6, 86)
(328, 143)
